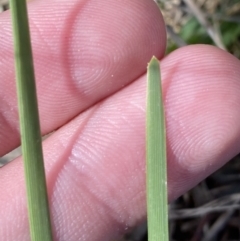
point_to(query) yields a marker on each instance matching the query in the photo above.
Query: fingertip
(202, 102)
(84, 51)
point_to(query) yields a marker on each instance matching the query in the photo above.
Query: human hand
(90, 62)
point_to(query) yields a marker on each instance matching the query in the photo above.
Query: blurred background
(211, 210)
(215, 22)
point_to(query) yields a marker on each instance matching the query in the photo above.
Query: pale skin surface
(84, 53)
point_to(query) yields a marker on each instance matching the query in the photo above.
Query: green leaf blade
(157, 206)
(38, 210)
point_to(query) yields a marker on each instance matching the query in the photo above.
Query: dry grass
(203, 21)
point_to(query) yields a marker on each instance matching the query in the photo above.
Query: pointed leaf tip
(153, 61)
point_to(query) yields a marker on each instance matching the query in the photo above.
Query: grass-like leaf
(157, 206)
(39, 217)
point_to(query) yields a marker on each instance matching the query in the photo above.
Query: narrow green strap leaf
(157, 206)
(39, 217)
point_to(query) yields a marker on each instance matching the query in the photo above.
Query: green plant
(39, 217)
(157, 206)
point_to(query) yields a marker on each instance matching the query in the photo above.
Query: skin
(90, 61)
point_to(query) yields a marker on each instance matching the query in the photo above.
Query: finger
(96, 163)
(84, 51)
(202, 111)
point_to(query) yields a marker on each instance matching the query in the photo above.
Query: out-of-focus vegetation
(220, 16)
